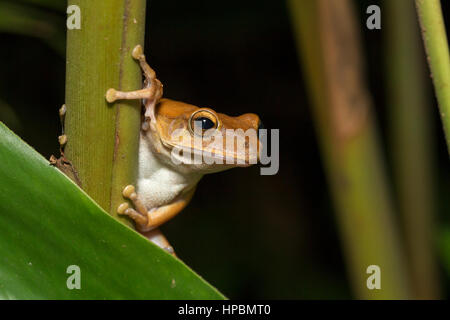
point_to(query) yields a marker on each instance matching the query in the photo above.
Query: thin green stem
(102, 138)
(411, 141)
(435, 39)
(329, 50)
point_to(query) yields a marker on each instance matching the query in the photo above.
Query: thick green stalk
(411, 141)
(328, 43)
(436, 45)
(102, 138)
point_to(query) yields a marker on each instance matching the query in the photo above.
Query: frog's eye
(202, 120)
(204, 123)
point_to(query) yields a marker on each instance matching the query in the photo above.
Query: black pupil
(204, 123)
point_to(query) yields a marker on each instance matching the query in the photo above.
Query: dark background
(249, 235)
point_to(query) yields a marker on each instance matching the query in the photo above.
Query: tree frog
(166, 186)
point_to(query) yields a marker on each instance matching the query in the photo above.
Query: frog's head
(218, 141)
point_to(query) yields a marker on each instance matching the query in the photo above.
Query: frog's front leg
(147, 220)
(152, 91)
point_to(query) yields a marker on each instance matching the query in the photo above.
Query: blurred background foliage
(249, 235)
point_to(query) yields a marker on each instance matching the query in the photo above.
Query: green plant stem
(328, 43)
(103, 139)
(436, 45)
(411, 141)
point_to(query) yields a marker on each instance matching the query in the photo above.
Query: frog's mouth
(190, 154)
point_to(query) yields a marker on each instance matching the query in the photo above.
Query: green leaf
(47, 224)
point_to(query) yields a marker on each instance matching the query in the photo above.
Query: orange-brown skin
(165, 187)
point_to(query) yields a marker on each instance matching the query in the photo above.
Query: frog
(167, 179)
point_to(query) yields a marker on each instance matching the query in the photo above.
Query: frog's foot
(140, 215)
(143, 219)
(62, 163)
(62, 139)
(159, 239)
(149, 73)
(150, 82)
(152, 92)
